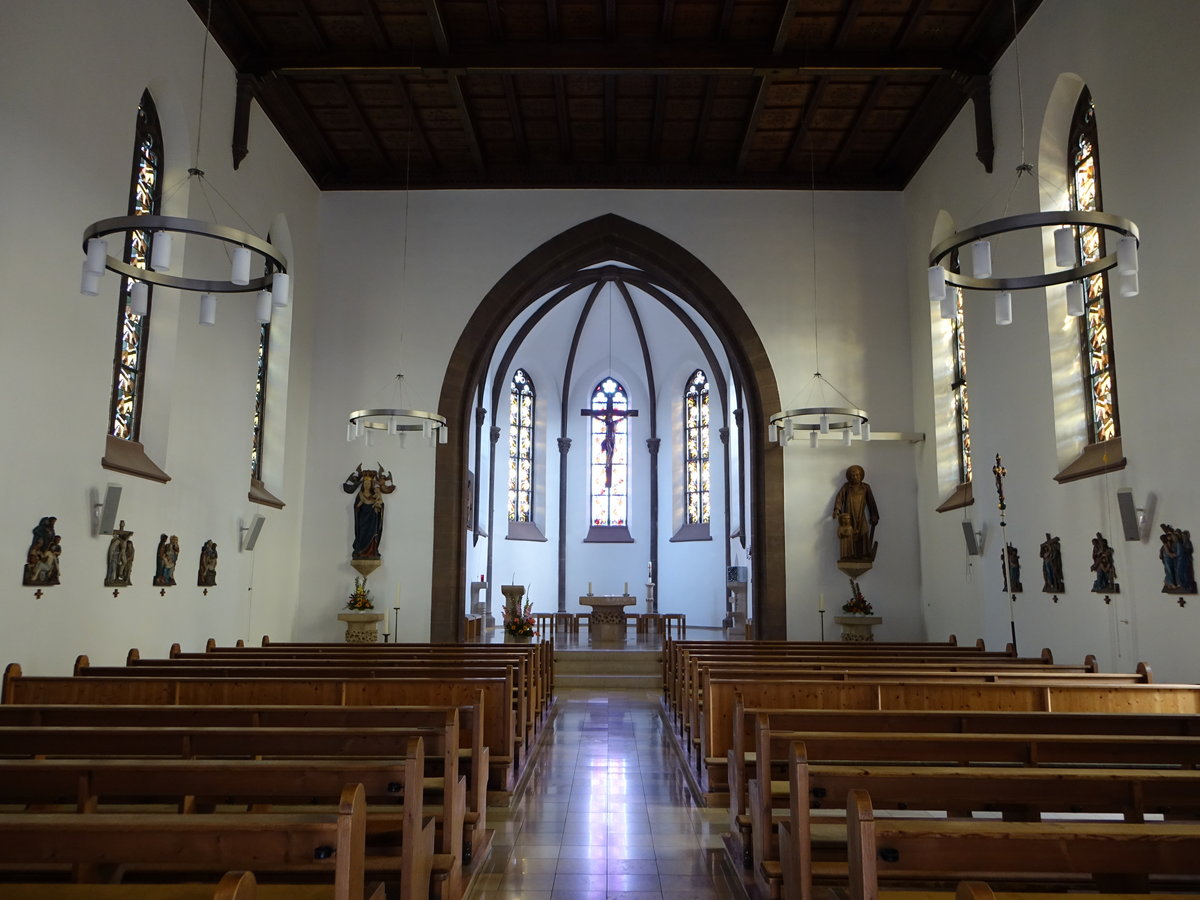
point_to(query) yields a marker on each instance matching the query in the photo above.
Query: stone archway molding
(608, 237)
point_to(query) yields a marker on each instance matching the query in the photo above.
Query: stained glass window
(129, 360)
(695, 449)
(958, 386)
(260, 401)
(1095, 325)
(610, 454)
(521, 398)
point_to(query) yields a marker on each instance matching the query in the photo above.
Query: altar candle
(627, 589)
(821, 603)
(589, 589)
(397, 596)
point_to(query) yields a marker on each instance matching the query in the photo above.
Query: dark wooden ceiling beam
(666, 25)
(911, 20)
(702, 120)
(760, 102)
(864, 111)
(495, 20)
(800, 137)
(610, 120)
(552, 20)
(361, 119)
(514, 114)
(305, 15)
(624, 58)
(723, 21)
(437, 27)
(319, 158)
(849, 15)
(610, 20)
(370, 14)
(470, 133)
(414, 133)
(564, 119)
(784, 27)
(660, 115)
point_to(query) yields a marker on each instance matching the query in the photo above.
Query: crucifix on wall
(612, 417)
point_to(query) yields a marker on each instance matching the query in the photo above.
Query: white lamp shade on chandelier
(208, 309)
(262, 308)
(1067, 226)
(139, 298)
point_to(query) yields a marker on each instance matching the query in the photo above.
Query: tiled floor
(606, 814)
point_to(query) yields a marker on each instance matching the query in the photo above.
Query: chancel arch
(652, 282)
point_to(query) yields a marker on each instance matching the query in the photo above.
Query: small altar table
(858, 628)
(361, 627)
(607, 622)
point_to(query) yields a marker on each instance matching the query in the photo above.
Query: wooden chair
(677, 621)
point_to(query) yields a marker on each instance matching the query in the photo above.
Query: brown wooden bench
(396, 820)
(991, 751)
(885, 722)
(525, 716)
(1105, 854)
(330, 846)
(236, 885)
(1021, 794)
(498, 719)
(717, 722)
(460, 721)
(241, 743)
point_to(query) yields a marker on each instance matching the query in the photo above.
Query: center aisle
(606, 814)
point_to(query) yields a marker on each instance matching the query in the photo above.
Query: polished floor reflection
(606, 814)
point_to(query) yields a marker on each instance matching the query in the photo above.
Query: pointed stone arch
(604, 238)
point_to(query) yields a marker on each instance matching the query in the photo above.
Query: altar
(607, 623)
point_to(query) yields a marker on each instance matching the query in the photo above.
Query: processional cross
(611, 417)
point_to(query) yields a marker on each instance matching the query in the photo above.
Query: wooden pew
(986, 750)
(335, 668)
(254, 743)
(232, 886)
(394, 789)
(1022, 793)
(717, 722)
(936, 849)
(328, 845)
(498, 721)
(742, 764)
(460, 721)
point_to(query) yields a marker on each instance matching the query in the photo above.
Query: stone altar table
(361, 627)
(607, 623)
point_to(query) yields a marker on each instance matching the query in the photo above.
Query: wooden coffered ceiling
(380, 94)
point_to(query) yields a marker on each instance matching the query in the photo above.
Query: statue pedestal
(361, 627)
(607, 624)
(858, 628)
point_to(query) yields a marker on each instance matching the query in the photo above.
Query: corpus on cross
(612, 417)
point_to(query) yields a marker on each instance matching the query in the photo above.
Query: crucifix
(611, 417)
(1010, 583)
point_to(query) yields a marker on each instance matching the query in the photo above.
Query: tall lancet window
(695, 449)
(1095, 325)
(521, 400)
(260, 402)
(610, 453)
(129, 358)
(958, 387)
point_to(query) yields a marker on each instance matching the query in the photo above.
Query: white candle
(589, 589)
(627, 589)
(397, 596)
(821, 603)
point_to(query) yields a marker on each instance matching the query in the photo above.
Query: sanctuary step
(608, 669)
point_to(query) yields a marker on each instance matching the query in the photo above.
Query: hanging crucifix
(612, 417)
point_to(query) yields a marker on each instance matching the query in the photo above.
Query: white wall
(1137, 59)
(68, 111)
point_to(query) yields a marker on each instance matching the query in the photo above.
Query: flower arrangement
(519, 622)
(360, 597)
(857, 605)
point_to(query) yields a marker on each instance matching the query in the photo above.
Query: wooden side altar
(607, 624)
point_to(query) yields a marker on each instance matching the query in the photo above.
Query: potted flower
(360, 598)
(857, 605)
(519, 622)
